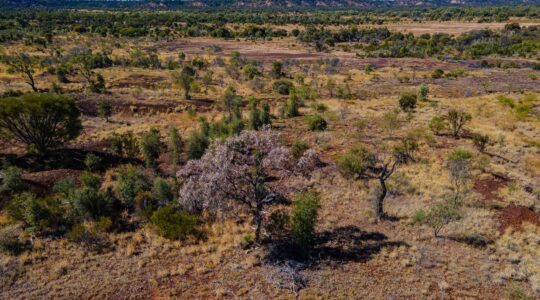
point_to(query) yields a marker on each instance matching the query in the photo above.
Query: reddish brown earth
(515, 216)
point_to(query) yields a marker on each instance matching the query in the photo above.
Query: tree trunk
(379, 205)
(257, 218)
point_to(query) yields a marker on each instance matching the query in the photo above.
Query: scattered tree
(41, 121)
(24, 65)
(407, 101)
(151, 147)
(360, 163)
(423, 91)
(457, 119)
(235, 174)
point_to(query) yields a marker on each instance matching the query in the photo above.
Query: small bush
(174, 225)
(506, 101)
(316, 123)
(91, 203)
(437, 73)
(162, 190)
(290, 109)
(12, 180)
(197, 144)
(407, 101)
(151, 147)
(480, 141)
(298, 148)
(440, 215)
(131, 181)
(437, 124)
(92, 162)
(423, 91)
(282, 87)
(303, 220)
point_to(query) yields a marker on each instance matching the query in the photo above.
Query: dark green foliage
(356, 162)
(92, 203)
(198, 142)
(124, 144)
(266, 117)
(316, 123)
(38, 214)
(12, 180)
(303, 221)
(98, 85)
(298, 148)
(282, 87)
(251, 71)
(151, 147)
(290, 109)
(255, 115)
(131, 181)
(438, 216)
(480, 141)
(92, 162)
(423, 91)
(437, 73)
(105, 110)
(407, 101)
(175, 145)
(162, 190)
(41, 121)
(437, 124)
(175, 225)
(277, 70)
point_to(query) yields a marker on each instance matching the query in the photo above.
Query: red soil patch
(516, 216)
(488, 188)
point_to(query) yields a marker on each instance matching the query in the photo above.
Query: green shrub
(282, 87)
(316, 123)
(440, 215)
(12, 180)
(162, 190)
(458, 119)
(198, 142)
(131, 181)
(105, 110)
(90, 180)
(151, 147)
(423, 91)
(174, 225)
(407, 101)
(38, 214)
(437, 124)
(480, 141)
(65, 186)
(91, 203)
(303, 221)
(506, 101)
(92, 162)
(437, 73)
(298, 148)
(459, 154)
(290, 109)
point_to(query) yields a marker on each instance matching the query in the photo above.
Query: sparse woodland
(254, 154)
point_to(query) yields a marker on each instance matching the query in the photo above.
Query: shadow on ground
(342, 244)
